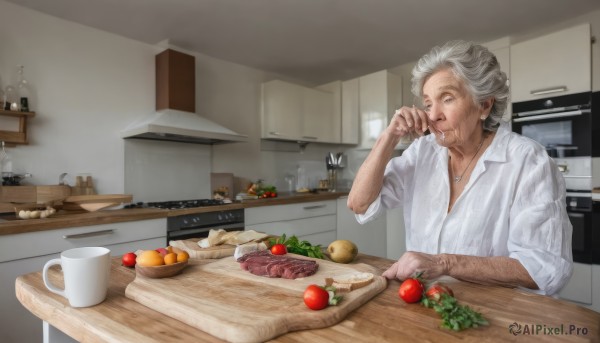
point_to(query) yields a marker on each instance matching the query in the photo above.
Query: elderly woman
(481, 203)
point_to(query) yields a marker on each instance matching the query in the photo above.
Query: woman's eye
(427, 108)
(448, 99)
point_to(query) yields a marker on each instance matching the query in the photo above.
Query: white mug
(86, 272)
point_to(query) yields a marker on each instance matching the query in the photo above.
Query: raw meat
(263, 263)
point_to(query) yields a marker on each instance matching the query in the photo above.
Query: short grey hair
(476, 66)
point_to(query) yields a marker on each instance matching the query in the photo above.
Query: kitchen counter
(9, 224)
(384, 318)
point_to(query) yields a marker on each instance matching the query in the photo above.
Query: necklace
(458, 178)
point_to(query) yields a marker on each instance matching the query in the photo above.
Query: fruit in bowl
(152, 263)
(158, 272)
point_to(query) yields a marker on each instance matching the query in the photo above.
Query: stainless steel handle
(577, 176)
(310, 137)
(549, 90)
(274, 133)
(89, 234)
(579, 195)
(314, 207)
(576, 215)
(550, 116)
(184, 231)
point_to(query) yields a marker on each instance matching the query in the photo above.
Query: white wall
(88, 85)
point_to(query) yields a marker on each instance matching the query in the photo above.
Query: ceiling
(315, 41)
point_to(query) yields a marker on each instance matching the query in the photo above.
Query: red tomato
(278, 249)
(436, 290)
(411, 290)
(128, 259)
(316, 298)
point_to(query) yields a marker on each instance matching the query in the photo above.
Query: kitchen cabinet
(555, 64)
(395, 233)
(579, 287)
(350, 111)
(311, 221)
(380, 95)
(370, 238)
(298, 113)
(28, 252)
(584, 286)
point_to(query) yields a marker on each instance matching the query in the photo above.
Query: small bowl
(159, 272)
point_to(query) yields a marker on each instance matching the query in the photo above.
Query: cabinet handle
(275, 133)
(549, 90)
(89, 234)
(314, 207)
(310, 137)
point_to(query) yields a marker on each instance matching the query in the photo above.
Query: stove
(196, 225)
(177, 204)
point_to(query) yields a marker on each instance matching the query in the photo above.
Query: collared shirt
(513, 205)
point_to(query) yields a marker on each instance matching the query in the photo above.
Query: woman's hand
(412, 263)
(408, 120)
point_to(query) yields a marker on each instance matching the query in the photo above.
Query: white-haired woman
(481, 203)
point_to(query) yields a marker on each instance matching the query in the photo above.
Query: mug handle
(47, 282)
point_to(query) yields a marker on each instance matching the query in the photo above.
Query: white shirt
(513, 205)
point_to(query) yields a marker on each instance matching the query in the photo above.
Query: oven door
(579, 209)
(562, 124)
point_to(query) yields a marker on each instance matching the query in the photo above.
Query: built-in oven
(195, 218)
(568, 127)
(580, 211)
(563, 124)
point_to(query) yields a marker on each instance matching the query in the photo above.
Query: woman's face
(454, 117)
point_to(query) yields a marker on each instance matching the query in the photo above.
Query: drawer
(267, 214)
(297, 227)
(579, 288)
(31, 244)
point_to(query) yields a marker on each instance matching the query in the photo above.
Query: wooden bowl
(159, 272)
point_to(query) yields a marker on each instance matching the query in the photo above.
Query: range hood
(175, 118)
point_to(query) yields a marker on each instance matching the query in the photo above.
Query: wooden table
(384, 318)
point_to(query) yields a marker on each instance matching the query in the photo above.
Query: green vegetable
(295, 246)
(454, 316)
(333, 298)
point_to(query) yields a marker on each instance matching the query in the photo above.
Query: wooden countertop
(384, 318)
(9, 224)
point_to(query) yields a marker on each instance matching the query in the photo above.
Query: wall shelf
(20, 136)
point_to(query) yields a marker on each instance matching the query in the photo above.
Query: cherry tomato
(411, 290)
(435, 291)
(279, 249)
(128, 260)
(316, 298)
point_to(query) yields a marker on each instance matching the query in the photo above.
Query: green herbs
(454, 316)
(295, 246)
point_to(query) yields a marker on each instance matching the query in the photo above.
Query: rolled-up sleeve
(540, 230)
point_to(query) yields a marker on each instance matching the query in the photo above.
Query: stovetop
(177, 204)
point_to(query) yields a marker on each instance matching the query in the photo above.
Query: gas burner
(178, 204)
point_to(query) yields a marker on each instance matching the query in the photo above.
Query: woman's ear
(486, 105)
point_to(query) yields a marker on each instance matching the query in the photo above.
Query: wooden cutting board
(232, 304)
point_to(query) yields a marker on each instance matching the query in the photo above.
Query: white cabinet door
(311, 221)
(396, 236)
(298, 113)
(350, 111)
(282, 110)
(579, 288)
(318, 121)
(555, 64)
(370, 238)
(380, 94)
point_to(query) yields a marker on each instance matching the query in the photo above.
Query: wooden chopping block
(34, 194)
(95, 202)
